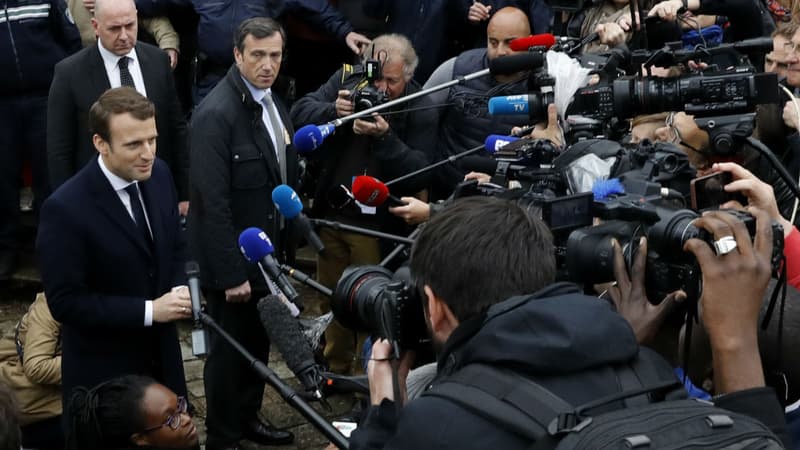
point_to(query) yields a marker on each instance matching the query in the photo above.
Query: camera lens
(668, 235)
(354, 301)
(590, 255)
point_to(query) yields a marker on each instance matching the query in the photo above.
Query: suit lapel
(110, 204)
(264, 143)
(148, 74)
(97, 72)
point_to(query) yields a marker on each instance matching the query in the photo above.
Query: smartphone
(708, 192)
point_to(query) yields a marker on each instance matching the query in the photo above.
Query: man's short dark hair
(116, 101)
(259, 28)
(481, 251)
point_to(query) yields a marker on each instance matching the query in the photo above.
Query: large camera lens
(590, 256)
(667, 236)
(354, 302)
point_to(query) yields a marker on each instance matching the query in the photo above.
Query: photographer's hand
(415, 210)
(733, 289)
(630, 299)
(552, 131)
(610, 34)
(759, 194)
(379, 372)
(478, 12)
(668, 10)
(376, 127)
(790, 115)
(344, 106)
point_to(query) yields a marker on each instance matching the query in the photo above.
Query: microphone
(310, 137)
(372, 192)
(199, 335)
(257, 248)
(511, 64)
(495, 142)
(522, 44)
(511, 104)
(284, 330)
(289, 205)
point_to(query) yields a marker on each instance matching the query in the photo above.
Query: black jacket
(563, 340)
(405, 148)
(233, 172)
(34, 36)
(79, 81)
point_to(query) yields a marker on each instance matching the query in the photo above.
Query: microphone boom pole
(288, 394)
(364, 231)
(398, 101)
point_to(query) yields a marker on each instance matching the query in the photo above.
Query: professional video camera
(373, 299)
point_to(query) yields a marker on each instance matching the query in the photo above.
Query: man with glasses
(241, 150)
(386, 145)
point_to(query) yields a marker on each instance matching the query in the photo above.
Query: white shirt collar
(258, 94)
(111, 60)
(116, 182)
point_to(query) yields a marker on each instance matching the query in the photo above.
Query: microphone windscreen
(326, 130)
(254, 244)
(511, 64)
(546, 40)
(603, 188)
(495, 142)
(307, 139)
(510, 105)
(284, 331)
(287, 201)
(369, 191)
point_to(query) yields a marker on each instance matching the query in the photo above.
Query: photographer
(385, 145)
(559, 338)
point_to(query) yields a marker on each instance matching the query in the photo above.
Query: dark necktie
(138, 212)
(125, 77)
(277, 128)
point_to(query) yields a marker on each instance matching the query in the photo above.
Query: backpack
(648, 417)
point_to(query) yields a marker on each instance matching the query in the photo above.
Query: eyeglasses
(174, 420)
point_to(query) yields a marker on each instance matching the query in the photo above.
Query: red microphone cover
(545, 40)
(369, 191)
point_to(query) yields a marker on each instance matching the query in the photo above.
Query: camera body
(375, 300)
(368, 97)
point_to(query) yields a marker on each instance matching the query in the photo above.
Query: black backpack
(648, 417)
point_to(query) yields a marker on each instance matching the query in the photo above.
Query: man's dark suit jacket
(98, 271)
(79, 81)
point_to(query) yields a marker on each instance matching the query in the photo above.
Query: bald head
(115, 24)
(507, 24)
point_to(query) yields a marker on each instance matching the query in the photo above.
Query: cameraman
(484, 312)
(386, 145)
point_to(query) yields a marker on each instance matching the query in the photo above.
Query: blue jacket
(34, 36)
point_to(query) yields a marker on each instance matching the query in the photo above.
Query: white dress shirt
(111, 63)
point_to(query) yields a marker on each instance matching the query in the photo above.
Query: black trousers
(233, 390)
(23, 132)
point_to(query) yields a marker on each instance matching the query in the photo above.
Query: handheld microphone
(372, 192)
(284, 331)
(199, 335)
(511, 104)
(310, 137)
(289, 205)
(545, 40)
(511, 64)
(495, 142)
(257, 248)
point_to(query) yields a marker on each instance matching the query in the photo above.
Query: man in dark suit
(117, 60)
(111, 255)
(241, 150)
